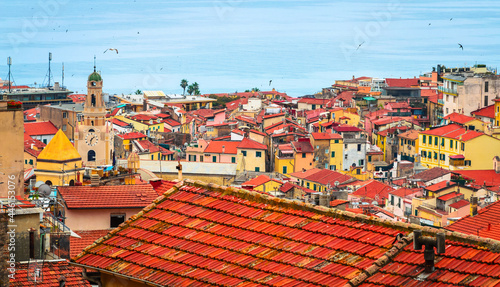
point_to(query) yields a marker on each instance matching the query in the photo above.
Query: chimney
(473, 206)
(489, 227)
(419, 241)
(223, 149)
(179, 173)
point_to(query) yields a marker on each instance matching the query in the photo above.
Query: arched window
(91, 155)
(92, 123)
(93, 100)
(91, 131)
(72, 182)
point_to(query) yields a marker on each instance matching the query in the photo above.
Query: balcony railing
(447, 91)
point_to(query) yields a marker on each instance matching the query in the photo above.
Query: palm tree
(184, 84)
(196, 88)
(190, 89)
(138, 92)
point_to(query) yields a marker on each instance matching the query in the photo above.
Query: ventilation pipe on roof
(419, 241)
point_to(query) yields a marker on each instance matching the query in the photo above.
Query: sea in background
(234, 45)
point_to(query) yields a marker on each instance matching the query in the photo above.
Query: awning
(369, 99)
(458, 156)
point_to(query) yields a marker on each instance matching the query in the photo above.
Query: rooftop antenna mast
(49, 73)
(9, 63)
(62, 78)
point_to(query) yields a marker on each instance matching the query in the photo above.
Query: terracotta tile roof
(119, 123)
(238, 131)
(453, 131)
(40, 128)
(485, 224)
(31, 114)
(398, 105)
(459, 118)
(337, 202)
(440, 185)
(207, 113)
(488, 112)
(326, 176)
(373, 190)
(313, 101)
(274, 115)
(346, 128)
(132, 136)
(52, 271)
(78, 98)
(449, 196)
(201, 235)
(162, 115)
(224, 124)
(487, 178)
(430, 174)
(459, 204)
(304, 174)
(303, 146)
(257, 132)
(428, 92)
(147, 145)
(87, 237)
(403, 192)
(411, 134)
(259, 180)
(171, 122)
(247, 143)
(142, 117)
(402, 83)
(325, 136)
(114, 112)
(162, 186)
(112, 196)
(230, 147)
(246, 119)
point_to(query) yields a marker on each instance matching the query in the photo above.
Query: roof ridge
(388, 256)
(491, 244)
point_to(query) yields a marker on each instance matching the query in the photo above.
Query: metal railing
(53, 221)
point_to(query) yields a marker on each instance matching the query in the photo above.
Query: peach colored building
(102, 207)
(303, 154)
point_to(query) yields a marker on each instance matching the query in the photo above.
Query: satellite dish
(375, 202)
(337, 183)
(39, 183)
(44, 190)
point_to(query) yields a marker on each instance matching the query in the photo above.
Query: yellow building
(143, 123)
(347, 116)
(497, 112)
(408, 145)
(263, 183)
(59, 162)
(465, 121)
(129, 137)
(284, 159)
(251, 155)
(453, 147)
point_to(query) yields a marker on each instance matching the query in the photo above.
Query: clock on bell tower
(93, 135)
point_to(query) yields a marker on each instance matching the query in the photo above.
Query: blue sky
(233, 45)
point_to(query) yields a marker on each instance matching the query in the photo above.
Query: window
(326, 166)
(258, 154)
(463, 146)
(416, 212)
(194, 157)
(317, 158)
(361, 162)
(485, 101)
(214, 158)
(44, 141)
(436, 141)
(451, 143)
(313, 107)
(257, 168)
(442, 142)
(467, 163)
(303, 155)
(359, 147)
(485, 88)
(91, 155)
(233, 159)
(327, 151)
(158, 156)
(117, 219)
(333, 167)
(333, 154)
(307, 185)
(442, 157)
(345, 146)
(401, 141)
(65, 115)
(64, 127)
(336, 141)
(152, 156)
(31, 161)
(392, 199)
(285, 169)
(369, 158)
(345, 156)
(435, 155)
(424, 153)
(317, 147)
(429, 155)
(244, 152)
(314, 187)
(201, 158)
(399, 202)
(423, 139)
(92, 101)
(358, 171)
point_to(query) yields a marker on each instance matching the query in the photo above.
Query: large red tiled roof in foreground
(485, 224)
(87, 237)
(199, 234)
(52, 271)
(107, 196)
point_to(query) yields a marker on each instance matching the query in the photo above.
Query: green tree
(196, 88)
(184, 84)
(190, 89)
(138, 92)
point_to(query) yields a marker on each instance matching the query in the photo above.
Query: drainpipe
(93, 280)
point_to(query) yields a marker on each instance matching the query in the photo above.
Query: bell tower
(94, 135)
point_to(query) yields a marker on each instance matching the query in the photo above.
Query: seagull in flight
(359, 45)
(111, 49)
(451, 19)
(460, 46)
(270, 81)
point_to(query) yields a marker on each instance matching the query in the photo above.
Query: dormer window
(93, 83)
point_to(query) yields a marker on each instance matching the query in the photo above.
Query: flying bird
(359, 46)
(111, 49)
(270, 81)
(460, 46)
(451, 19)
(429, 24)
(66, 30)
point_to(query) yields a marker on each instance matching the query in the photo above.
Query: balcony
(448, 91)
